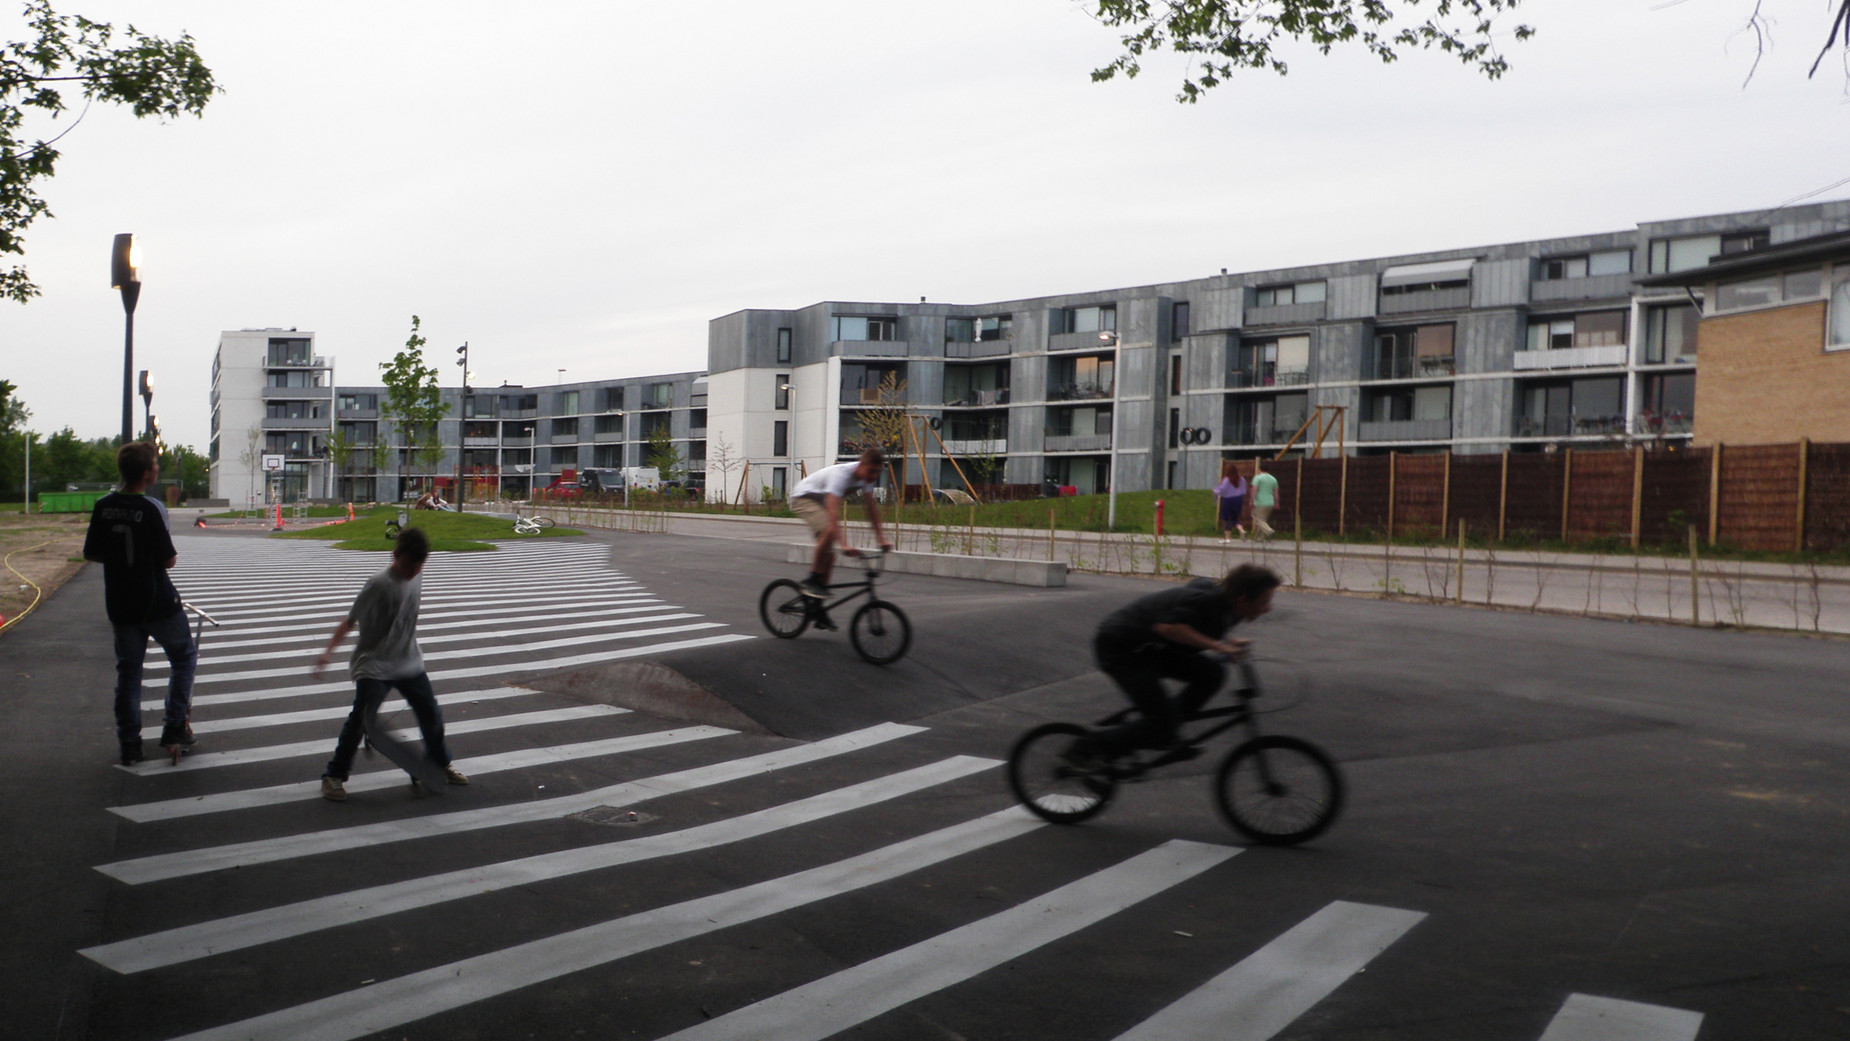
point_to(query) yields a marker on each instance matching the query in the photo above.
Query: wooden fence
(1768, 498)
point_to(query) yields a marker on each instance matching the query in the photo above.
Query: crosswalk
(596, 844)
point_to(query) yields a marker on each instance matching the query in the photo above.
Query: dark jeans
(1139, 672)
(368, 695)
(175, 638)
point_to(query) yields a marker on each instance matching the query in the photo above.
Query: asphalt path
(1557, 828)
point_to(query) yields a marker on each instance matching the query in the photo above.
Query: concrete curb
(1042, 573)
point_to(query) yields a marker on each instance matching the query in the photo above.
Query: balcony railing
(1267, 377)
(1078, 442)
(1414, 368)
(871, 348)
(976, 446)
(1665, 423)
(517, 442)
(1079, 392)
(1405, 430)
(979, 349)
(605, 437)
(1286, 314)
(1425, 300)
(1568, 426)
(978, 398)
(1570, 358)
(1083, 340)
(1251, 433)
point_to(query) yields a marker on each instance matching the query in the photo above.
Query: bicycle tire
(784, 609)
(1050, 787)
(391, 530)
(880, 632)
(542, 522)
(1278, 790)
(526, 527)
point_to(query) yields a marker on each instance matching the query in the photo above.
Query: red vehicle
(564, 486)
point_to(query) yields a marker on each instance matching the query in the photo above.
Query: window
(1837, 325)
(1419, 403)
(607, 456)
(520, 402)
(1086, 319)
(779, 479)
(855, 327)
(292, 410)
(1669, 402)
(607, 425)
(1605, 262)
(1285, 359)
(1088, 377)
(1261, 420)
(1769, 290)
(565, 455)
(1694, 251)
(1175, 374)
(1414, 351)
(568, 402)
(1288, 294)
(1567, 407)
(960, 330)
(1670, 333)
(1175, 428)
(783, 346)
(661, 395)
(780, 437)
(783, 391)
(359, 435)
(994, 327)
(1079, 422)
(1429, 277)
(1593, 329)
(358, 402)
(1178, 319)
(294, 378)
(289, 352)
(610, 399)
(565, 427)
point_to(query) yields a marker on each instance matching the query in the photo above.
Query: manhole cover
(612, 816)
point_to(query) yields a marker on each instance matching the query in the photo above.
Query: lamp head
(124, 262)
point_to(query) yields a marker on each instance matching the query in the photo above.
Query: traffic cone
(350, 511)
(279, 517)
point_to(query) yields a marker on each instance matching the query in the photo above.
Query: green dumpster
(68, 502)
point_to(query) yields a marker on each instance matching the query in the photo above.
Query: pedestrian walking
(128, 535)
(387, 657)
(1265, 499)
(1230, 497)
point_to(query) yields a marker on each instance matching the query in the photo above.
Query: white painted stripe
(303, 791)
(1587, 1018)
(344, 592)
(1279, 982)
(296, 607)
(477, 652)
(162, 767)
(853, 996)
(376, 1007)
(229, 640)
(263, 851)
(213, 636)
(475, 637)
(157, 950)
(475, 672)
(278, 719)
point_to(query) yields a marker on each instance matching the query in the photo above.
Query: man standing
(387, 656)
(1265, 497)
(818, 500)
(128, 536)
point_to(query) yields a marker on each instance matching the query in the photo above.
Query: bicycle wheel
(784, 609)
(880, 632)
(391, 530)
(542, 522)
(1052, 788)
(1279, 791)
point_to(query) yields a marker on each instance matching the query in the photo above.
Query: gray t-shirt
(386, 612)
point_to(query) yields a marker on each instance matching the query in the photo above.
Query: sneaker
(131, 752)
(825, 623)
(455, 776)
(333, 788)
(814, 588)
(180, 736)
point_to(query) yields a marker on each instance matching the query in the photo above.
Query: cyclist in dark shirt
(128, 536)
(1163, 636)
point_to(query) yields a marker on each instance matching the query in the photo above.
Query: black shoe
(177, 736)
(131, 752)
(824, 623)
(814, 588)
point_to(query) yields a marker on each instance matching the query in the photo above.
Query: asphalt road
(1557, 828)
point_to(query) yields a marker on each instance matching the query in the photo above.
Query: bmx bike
(1274, 789)
(879, 630)
(531, 525)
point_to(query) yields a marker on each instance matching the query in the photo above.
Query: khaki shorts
(812, 512)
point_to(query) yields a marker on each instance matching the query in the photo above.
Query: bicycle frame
(862, 588)
(1237, 714)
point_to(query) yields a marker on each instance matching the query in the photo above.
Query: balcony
(1569, 426)
(1081, 341)
(1664, 424)
(1240, 379)
(1080, 392)
(1078, 442)
(568, 438)
(979, 349)
(295, 423)
(489, 441)
(1570, 358)
(1451, 299)
(520, 413)
(979, 446)
(871, 348)
(1251, 433)
(518, 441)
(607, 437)
(1405, 430)
(298, 393)
(1287, 314)
(979, 399)
(1592, 287)
(1434, 367)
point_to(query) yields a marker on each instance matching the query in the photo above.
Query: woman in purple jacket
(1230, 494)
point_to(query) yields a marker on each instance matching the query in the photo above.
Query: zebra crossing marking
(1587, 1018)
(294, 634)
(395, 1002)
(163, 866)
(279, 719)
(271, 753)
(373, 780)
(173, 946)
(1279, 982)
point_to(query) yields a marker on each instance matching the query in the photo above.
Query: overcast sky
(582, 186)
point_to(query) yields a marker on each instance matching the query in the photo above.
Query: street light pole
(123, 264)
(147, 401)
(462, 438)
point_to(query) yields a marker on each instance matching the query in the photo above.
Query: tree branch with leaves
(413, 401)
(151, 75)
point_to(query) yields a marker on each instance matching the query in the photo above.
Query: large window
(1592, 329)
(970, 330)
(1289, 293)
(607, 425)
(1422, 403)
(610, 399)
(1582, 265)
(568, 402)
(358, 402)
(1414, 351)
(1080, 378)
(859, 327)
(1086, 319)
(1178, 319)
(292, 410)
(1277, 360)
(1669, 403)
(565, 427)
(1563, 408)
(780, 437)
(1769, 290)
(1670, 333)
(1079, 422)
(289, 352)
(1694, 251)
(661, 395)
(1264, 419)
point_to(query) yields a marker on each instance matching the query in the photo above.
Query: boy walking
(387, 656)
(128, 536)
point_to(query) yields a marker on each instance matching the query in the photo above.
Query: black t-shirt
(1198, 605)
(128, 533)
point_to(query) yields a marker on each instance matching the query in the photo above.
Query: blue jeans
(175, 638)
(368, 695)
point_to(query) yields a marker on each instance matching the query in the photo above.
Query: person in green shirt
(1265, 497)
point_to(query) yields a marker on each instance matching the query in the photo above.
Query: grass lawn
(449, 532)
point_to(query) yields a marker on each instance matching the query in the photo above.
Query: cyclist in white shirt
(818, 500)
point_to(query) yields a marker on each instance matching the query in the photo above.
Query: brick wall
(1765, 378)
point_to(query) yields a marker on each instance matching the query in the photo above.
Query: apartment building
(1525, 346)
(272, 408)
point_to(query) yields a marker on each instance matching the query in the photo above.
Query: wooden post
(1342, 499)
(970, 534)
(1053, 533)
(1695, 585)
(1637, 495)
(1460, 598)
(1503, 496)
(1297, 547)
(1393, 472)
(1445, 497)
(1798, 535)
(1567, 487)
(1715, 491)
(1297, 493)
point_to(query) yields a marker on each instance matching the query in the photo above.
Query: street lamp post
(147, 401)
(124, 265)
(462, 447)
